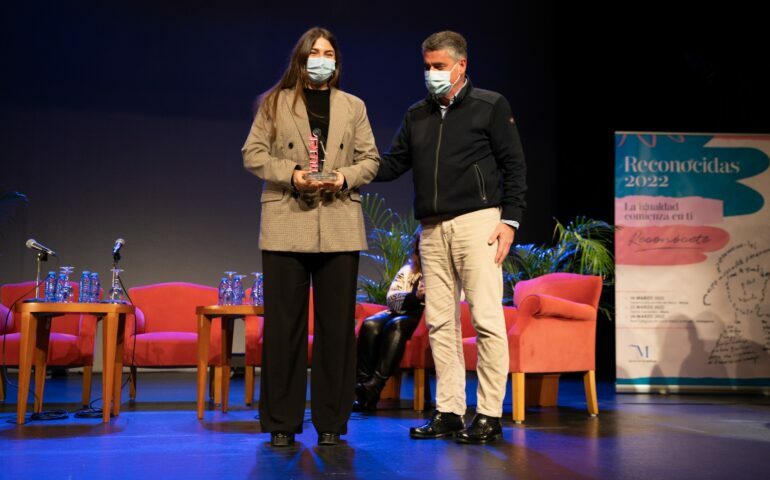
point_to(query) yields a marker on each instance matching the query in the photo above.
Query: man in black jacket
(469, 178)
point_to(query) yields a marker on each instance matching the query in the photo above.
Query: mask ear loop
(458, 77)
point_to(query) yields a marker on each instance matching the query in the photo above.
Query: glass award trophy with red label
(316, 172)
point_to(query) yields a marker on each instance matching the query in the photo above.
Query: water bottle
(50, 287)
(222, 290)
(228, 296)
(85, 287)
(257, 290)
(95, 291)
(61, 287)
(238, 292)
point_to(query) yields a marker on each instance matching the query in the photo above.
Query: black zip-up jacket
(469, 160)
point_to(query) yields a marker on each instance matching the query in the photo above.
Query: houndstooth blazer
(293, 222)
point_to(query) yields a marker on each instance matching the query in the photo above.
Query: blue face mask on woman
(320, 69)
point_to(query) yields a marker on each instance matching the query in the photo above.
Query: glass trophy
(116, 293)
(316, 172)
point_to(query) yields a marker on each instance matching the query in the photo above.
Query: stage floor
(635, 436)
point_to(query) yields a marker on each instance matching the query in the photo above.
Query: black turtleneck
(318, 111)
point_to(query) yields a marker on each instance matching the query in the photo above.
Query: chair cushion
(169, 349)
(63, 351)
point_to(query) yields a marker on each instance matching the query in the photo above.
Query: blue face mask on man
(320, 69)
(438, 81)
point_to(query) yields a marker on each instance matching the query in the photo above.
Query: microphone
(34, 245)
(116, 249)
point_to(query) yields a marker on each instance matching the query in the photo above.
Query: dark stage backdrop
(125, 119)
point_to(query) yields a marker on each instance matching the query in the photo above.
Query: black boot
(359, 404)
(368, 393)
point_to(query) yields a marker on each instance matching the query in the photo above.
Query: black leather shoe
(328, 438)
(483, 429)
(440, 425)
(281, 439)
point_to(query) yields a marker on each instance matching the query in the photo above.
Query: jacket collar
(338, 113)
(430, 98)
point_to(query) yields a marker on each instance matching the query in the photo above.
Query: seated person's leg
(368, 344)
(393, 338)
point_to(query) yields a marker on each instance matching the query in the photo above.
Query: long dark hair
(295, 77)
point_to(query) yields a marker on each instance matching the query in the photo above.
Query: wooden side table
(228, 314)
(35, 333)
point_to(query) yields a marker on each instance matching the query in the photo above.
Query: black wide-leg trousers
(288, 277)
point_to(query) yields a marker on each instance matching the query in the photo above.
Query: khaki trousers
(455, 255)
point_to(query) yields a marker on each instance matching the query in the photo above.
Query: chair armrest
(6, 326)
(256, 328)
(552, 334)
(540, 305)
(135, 321)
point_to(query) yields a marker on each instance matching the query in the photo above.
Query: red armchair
(6, 323)
(253, 334)
(555, 331)
(71, 342)
(422, 357)
(164, 332)
(552, 330)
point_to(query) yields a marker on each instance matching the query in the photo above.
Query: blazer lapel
(339, 116)
(299, 117)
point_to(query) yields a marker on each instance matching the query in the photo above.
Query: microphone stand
(41, 257)
(116, 292)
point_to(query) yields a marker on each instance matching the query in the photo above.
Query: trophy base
(321, 176)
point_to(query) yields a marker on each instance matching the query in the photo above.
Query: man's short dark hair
(448, 40)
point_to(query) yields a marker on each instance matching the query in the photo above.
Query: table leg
(41, 359)
(117, 381)
(204, 336)
(110, 338)
(227, 353)
(26, 350)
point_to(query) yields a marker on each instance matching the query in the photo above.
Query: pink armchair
(166, 332)
(555, 331)
(71, 342)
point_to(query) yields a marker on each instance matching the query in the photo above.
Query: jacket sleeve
(257, 158)
(366, 158)
(506, 147)
(398, 159)
(401, 295)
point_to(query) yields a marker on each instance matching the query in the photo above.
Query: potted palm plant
(390, 240)
(582, 246)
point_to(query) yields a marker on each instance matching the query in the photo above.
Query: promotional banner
(693, 261)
